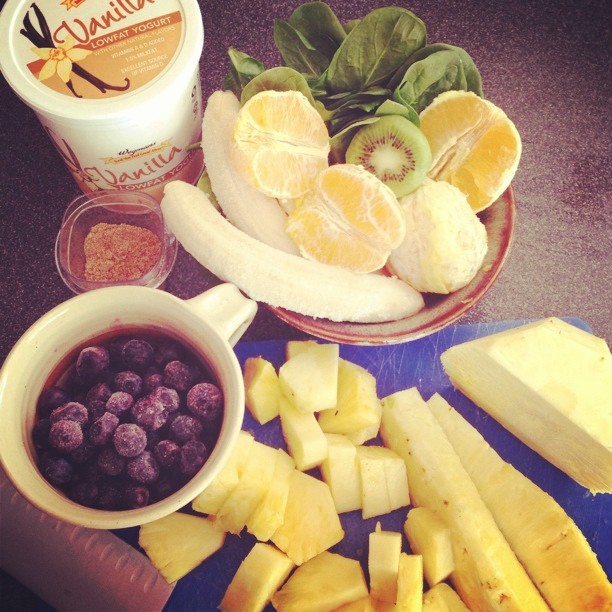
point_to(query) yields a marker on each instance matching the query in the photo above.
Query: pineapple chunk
(310, 378)
(410, 583)
(341, 472)
(360, 436)
(442, 598)
(487, 574)
(548, 376)
(549, 544)
(268, 516)
(365, 604)
(262, 389)
(429, 537)
(259, 576)
(179, 542)
(311, 523)
(326, 582)
(384, 548)
(246, 496)
(358, 407)
(384, 483)
(297, 346)
(306, 442)
(212, 498)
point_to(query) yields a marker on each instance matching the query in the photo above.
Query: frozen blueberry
(96, 409)
(149, 413)
(167, 453)
(168, 397)
(57, 470)
(166, 351)
(92, 363)
(110, 462)
(65, 435)
(119, 402)
(185, 428)
(151, 381)
(163, 487)
(137, 354)
(177, 375)
(72, 411)
(50, 399)
(84, 453)
(144, 468)
(193, 456)
(205, 400)
(109, 496)
(102, 429)
(129, 382)
(135, 495)
(129, 439)
(99, 392)
(84, 492)
(40, 433)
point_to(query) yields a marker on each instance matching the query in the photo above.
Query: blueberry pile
(132, 421)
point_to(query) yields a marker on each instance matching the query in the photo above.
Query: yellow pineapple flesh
(442, 598)
(546, 540)
(384, 548)
(179, 542)
(325, 582)
(311, 524)
(409, 583)
(258, 577)
(262, 389)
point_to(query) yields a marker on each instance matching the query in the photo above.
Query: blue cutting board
(397, 367)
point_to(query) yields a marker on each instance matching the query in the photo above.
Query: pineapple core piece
(358, 406)
(442, 598)
(429, 537)
(259, 576)
(384, 548)
(384, 483)
(409, 583)
(548, 543)
(486, 570)
(309, 379)
(340, 471)
(305, 440)
(179, 542)
(311, 523)
(544, 377)
(262, 389)
(325, 582)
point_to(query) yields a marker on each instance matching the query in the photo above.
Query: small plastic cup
(116, 208)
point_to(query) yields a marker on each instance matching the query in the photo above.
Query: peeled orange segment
(475, 146)
(349, 219)
(280, 143)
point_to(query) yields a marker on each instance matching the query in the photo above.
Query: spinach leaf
(391, 107)
(280, 78)
(344, 99)
(433, 70)
(320, 26)
(375, 48)
(297, 52)
(243, 68)
(340, 142)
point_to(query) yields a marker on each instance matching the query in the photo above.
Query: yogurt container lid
(98, 59)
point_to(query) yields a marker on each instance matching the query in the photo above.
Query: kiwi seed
(395, 150)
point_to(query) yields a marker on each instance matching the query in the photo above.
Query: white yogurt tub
(115, 84)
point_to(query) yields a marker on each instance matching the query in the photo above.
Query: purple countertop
(545, 62)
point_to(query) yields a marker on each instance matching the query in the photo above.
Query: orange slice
(350, 219)
(281, 143)
(474, 145)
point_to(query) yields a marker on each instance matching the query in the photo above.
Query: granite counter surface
(545, 62)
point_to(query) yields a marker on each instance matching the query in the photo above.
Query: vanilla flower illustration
(59, 59)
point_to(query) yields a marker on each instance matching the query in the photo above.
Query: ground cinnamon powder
(119, 252)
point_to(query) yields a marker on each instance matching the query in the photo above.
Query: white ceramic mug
(209, 324)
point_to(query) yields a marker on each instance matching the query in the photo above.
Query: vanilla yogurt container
(115, 84)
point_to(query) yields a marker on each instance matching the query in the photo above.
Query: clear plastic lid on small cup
(115, 208)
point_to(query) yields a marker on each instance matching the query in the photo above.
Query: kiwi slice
(395, 150)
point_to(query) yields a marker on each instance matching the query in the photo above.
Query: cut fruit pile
(462, 526)
(474, 145)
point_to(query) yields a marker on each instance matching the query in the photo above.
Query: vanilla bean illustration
(44, 39)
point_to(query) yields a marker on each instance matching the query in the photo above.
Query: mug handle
(226, 310)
